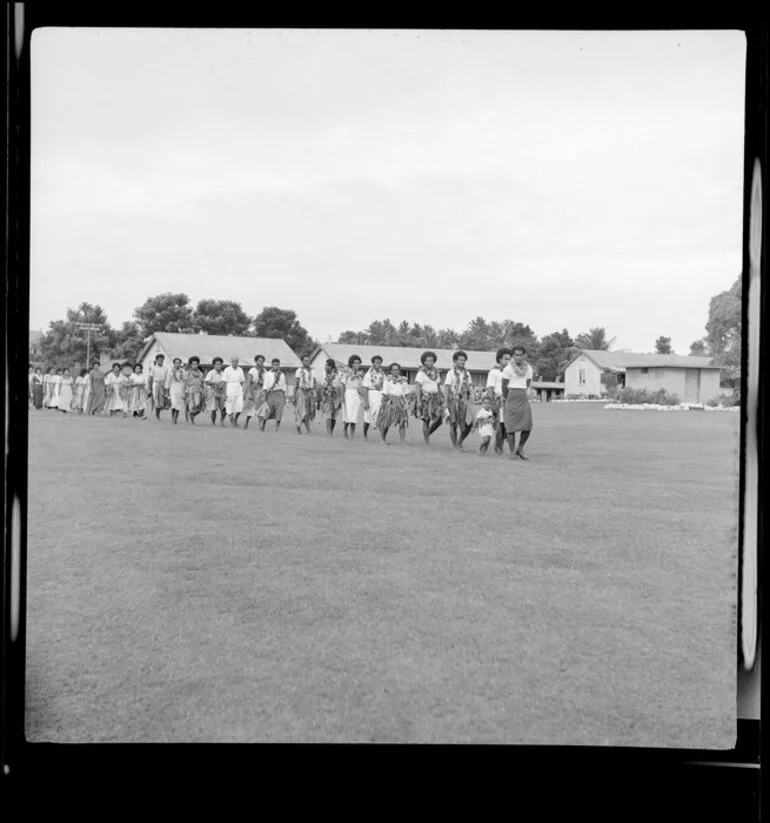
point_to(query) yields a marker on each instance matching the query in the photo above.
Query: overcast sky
(558, 179)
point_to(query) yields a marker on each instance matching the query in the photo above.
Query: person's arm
(505, 388)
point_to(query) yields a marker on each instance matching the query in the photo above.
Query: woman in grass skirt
(330, 396)
(372, 393)
(252, 391)
(215, 392)
(394, 410)
(430, 402)
(274, 393)
(459, 400)
(517, 379)
(304, 395)
(352, 382)
(137, 401)
(194, 388)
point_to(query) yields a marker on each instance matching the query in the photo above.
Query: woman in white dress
(79, 400)
(55, 384)
(353, 381)
(66, 391)
(176, 385)
(113, 383)
(372, 393)
(137, 403)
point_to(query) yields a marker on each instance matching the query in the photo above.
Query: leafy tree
(127, 343)
(519, 334)
(221, 317)
(353, 338)
(66, 344)
(283, 323)
(553, 354)
(476, 335)
(698, 349)
(723, 331)
(166, 313)
(447, 339)
(594, 340)
(663, 345)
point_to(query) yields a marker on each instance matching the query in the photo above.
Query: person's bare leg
(426, 432)
(352, 431)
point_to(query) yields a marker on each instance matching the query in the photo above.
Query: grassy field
(206, 584)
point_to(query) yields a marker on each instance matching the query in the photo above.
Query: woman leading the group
(158, 377)
(394, 410)
(96, 390)
(352, 382)
(459, 400)
(331, 392)
(372, 393)
(304, 395)
(430, 401)
(517, 379)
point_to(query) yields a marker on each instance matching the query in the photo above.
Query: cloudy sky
(558, 179)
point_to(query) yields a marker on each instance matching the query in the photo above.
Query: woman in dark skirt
(37, 388)
(97, 396)
(430, 402)
(517, 379)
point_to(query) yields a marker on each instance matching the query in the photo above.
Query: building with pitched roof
(209, 346)
(590, 373)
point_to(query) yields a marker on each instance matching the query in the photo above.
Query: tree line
(65, 342)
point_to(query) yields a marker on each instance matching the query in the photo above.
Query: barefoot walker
(430, 402)
(517, 378)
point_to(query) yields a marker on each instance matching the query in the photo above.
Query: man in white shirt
(495, 394)
(156, 384)
(274, 395)
(517, 378)
(234, 379)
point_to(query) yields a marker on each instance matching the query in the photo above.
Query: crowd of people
(379, 397)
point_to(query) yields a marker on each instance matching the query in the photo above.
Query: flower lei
(519, 370)
(431, 374)
(377, 377)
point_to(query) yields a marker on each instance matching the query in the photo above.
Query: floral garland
(520, 370)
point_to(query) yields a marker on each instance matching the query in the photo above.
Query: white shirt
(234, 375)
(426, 384)
(374, 379)
(158, 374)
(274, 382)
(514, 381)
(304, 378)
(395, 388)
(495, 381)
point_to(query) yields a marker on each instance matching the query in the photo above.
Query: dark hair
(96, 362)
(217, 360)
(258, 357)
(58, 371)
(117, 364)
(50, 369)
(275, 360)
(459, 354)
(390, 367)
(305, 356)
(377, 357)
(137, 366)
(331, 362)
(160, 357)
(83, 372)
(501, 353)
(426, 354)
(352, 359)
(177, 358)
(194, 359)
(519, 348)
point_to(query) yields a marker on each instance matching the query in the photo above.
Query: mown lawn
(206, 584)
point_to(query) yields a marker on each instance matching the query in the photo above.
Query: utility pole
(89, 327)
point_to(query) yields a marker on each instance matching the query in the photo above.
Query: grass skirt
(394, 411)
(304, 406)
(138, 399)
(461, 411)
(431, 407)
(215, 397)
(195, 403)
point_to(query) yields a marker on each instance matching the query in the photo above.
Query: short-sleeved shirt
(274, 382)
(373, 379)
(233, 375)
(427, 384)
(257, 375)
(215, 376)
(159, 374)
(459, 382)
(396, 388)
(495, 381)
(352, 380)
(516, 381)
(304, 378)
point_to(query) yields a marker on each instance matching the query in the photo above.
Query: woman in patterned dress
(372, 393)
(96, 390)
(430, 401)
(331, 391)
(394, 410)
(176, 384)
(352, 382)
(304, 395)
(137, 401)
(194, 388)
(115, 399)
(459, 400)
(215, 392)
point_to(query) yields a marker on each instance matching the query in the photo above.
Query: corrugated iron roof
(406, 356)
(209, 346)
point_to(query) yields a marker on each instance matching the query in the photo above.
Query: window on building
(645, 371)
(581, 377)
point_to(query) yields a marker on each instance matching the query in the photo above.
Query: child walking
(485, 425)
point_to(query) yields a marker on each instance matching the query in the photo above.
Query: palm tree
(594, 339)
